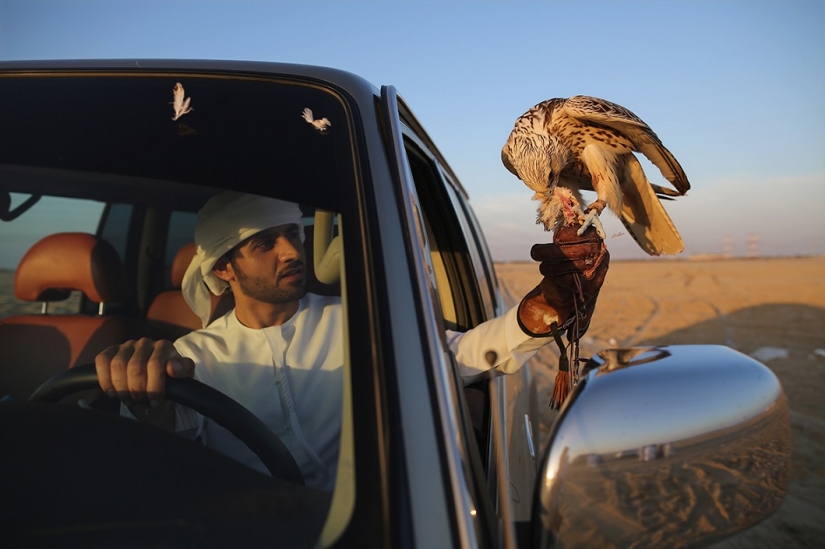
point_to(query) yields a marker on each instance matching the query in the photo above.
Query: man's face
(269, 266)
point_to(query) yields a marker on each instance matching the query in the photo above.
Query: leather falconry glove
(574, 268)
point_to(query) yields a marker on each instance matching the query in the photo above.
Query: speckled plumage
(588, 143)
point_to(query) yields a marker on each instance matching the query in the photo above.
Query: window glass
(101, 139)
(47, 216)
(477, 252)
(462, 283)
(459, 303)
(181, 232)
(115, 228)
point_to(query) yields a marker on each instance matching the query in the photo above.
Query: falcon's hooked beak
(552, 181)
(547, 193)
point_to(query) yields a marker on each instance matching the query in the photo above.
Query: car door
(513, 396)
(493, 414)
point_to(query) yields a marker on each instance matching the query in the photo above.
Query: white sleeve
(188, 423)
(503, 336)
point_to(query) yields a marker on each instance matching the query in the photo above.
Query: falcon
(562, 146)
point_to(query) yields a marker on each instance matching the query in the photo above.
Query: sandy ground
(773, 309)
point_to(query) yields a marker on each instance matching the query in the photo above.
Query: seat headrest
(63, 262)
(181, 262)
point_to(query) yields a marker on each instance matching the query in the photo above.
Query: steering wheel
(201, 398)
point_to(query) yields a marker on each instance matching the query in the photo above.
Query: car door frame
(508, 395)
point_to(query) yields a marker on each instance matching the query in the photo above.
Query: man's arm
(500, 339)
(573, 268)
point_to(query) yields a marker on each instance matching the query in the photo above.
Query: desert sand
(772, 309)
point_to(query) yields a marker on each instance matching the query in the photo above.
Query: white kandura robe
(290, 376)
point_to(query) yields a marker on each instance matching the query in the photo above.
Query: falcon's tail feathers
(664, 192)
(643, 214)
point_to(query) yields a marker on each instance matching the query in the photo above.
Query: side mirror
(664, 446)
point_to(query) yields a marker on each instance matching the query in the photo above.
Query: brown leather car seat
(169, 316)
(34, 347)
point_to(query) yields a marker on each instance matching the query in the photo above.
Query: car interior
(88, 265)
(100, 212)
(97, 220)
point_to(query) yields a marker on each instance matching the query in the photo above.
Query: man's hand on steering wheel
(198, 397)
(136, 371)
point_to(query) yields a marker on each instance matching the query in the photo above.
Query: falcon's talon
(598, 206)
(592, 218)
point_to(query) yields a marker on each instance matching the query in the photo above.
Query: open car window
(128, 159)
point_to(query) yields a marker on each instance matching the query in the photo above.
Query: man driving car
(279, 352)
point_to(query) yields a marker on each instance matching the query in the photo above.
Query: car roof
(353, 83)
(362, 93)
(110, 120)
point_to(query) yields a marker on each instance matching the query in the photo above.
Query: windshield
(125, 161)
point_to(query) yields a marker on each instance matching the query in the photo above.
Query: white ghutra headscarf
(225, 221)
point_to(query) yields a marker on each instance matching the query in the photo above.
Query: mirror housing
(664, 446)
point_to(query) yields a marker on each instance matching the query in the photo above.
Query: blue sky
(735, 89)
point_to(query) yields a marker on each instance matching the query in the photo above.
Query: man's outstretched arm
(573, 269)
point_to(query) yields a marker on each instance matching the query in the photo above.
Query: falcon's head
(535, 158)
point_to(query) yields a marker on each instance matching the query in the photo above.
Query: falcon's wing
(606, 113)
(664, 193)
(642, 212)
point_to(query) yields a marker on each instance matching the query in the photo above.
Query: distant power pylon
(727, 246)
(753, 245)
